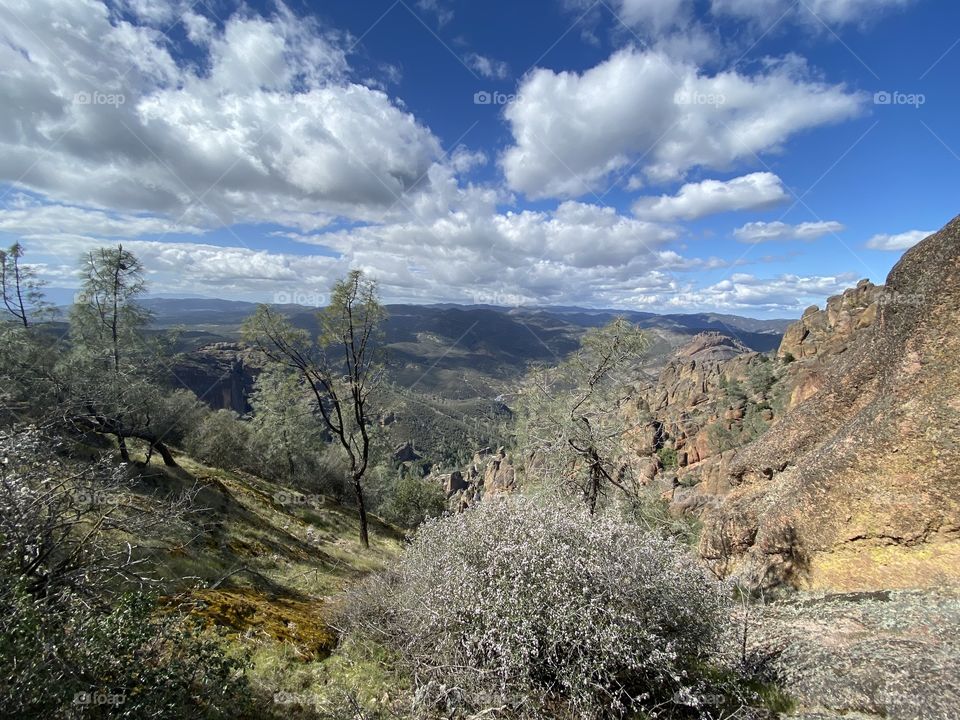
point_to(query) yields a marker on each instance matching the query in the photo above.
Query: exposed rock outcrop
(830, 331)
(885, 655)
(405, 452)
(713, 395)
(489, 473)
(857, 486)
(220, 374)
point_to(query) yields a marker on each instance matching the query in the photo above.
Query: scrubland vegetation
(161, 559)
(523, 608)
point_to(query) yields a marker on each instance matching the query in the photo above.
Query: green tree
(286, 432)
(570, 419)
(411, 500)
(27, 353)
(111, 371)
(342, 368)
(221, 439)
(761, 377)
(668, 458)
(734, 388)
(21, 290)
(107, 318)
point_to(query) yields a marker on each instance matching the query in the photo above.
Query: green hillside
(260, 564)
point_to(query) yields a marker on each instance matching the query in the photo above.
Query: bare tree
(342, 368)
(73, 527)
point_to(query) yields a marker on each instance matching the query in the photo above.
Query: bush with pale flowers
(522, 608)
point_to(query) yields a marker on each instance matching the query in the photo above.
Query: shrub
(330, 475)
(222, 440)
(540, 610)
(650, 512)
(734, 389)
(410, 500)
(668, 458)
(73, 660)
(178, 415)
(72, 642)
(761, 377)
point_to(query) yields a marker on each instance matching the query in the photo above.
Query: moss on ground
(287, 620)
(263, 571)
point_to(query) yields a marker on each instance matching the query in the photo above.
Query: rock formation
(220, 374)
(488, 473)
(405, 452)
(857, 485)
(714, 395)
(830, 331)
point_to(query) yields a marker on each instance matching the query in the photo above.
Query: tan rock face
(221, 373)
(831, 330)
(857, 485)
(700, 400)
(489, 473)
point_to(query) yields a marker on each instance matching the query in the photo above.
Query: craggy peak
(447, 360)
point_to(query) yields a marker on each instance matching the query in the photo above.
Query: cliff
(857, 485)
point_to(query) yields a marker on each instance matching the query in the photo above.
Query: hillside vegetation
(314, 533)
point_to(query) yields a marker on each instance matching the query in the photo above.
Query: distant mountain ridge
(167, 309)
(449, 318)
(448, 364)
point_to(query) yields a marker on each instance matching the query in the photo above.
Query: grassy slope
(264, 571)
(306, 548)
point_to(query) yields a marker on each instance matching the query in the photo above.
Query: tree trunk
(124, 453)
(596, 478)
(593, 492)
(164, 453)
(362, 512)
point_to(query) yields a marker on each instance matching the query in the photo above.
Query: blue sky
(745, 156)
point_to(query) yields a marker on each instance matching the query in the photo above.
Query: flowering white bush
(537, 609)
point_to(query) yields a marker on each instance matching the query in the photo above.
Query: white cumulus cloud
(899, 241)
(783, 293)
(656, 15)
(758, 232)
(828, 11)
(487, 67)
(574, 132)
(696, 200)
(99, 112)
(262, 128)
